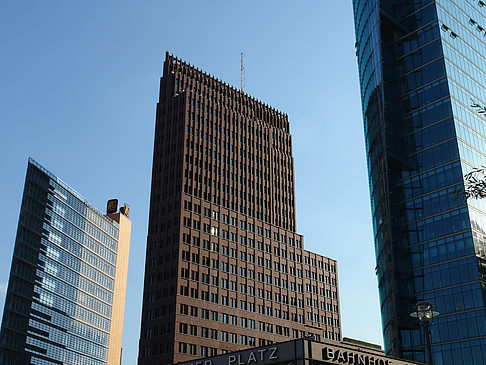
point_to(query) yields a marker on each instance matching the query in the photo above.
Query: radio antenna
(242, 69)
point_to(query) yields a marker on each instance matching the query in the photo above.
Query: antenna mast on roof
(242, 72)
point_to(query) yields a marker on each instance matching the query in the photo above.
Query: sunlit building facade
(225, 268)
(66, 293)
(422, 68)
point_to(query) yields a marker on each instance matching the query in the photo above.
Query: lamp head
(424, 313)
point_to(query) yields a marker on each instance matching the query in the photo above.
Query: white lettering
(340, 356)
(329, 353)
(262, 351)
(272, 354)
(251, 358)
(350, 358)
(231, 359)
(360, 359)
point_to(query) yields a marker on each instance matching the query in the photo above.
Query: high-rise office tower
(225, 268)
(66, 293)
(422, 67)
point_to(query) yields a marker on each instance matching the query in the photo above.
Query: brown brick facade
(225, 269)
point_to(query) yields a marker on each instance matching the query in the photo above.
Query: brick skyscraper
(225, 268)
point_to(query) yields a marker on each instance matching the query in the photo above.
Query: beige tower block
(119, 294)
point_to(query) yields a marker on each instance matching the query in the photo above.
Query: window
(224, 336)
(204, 351)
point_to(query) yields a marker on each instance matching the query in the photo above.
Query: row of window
(209, 138)
(195, 127)
(76, 327)
(278, 298)
(243, 288)
(225, 218)
(281, 165)
(250, 257)
(261, 309)
(58, 337)
(52, 300)
(247, 209)
(249, 273)
(65, 194)
(250, 197)
(228, 219)
(203, 104)
(229, 337)
(230, 107)
(205, 351)
(71, 233)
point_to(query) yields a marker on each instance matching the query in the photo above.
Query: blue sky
(78, 87)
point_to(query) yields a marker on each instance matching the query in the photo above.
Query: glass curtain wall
(60, 292)
(421, 67)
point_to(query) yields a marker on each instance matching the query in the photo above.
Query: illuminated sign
(112, 206)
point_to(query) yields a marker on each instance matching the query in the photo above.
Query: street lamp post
(426, 315)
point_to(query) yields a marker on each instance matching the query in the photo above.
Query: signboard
(111, 206)
(125, 209)
(298, 351)
(276, 353)
(347, 356)
(343, 356)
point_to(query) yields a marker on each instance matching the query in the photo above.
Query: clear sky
(78, 88)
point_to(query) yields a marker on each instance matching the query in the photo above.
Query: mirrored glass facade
(422, 66)
(61, 287)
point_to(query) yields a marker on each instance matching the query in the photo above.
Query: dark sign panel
(112, 206)
(302, 351)
(277, 353)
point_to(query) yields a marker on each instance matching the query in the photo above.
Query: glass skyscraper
(66, 292)
(422, 68)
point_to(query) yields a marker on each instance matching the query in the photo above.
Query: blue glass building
(422, 66)
(62, 285)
